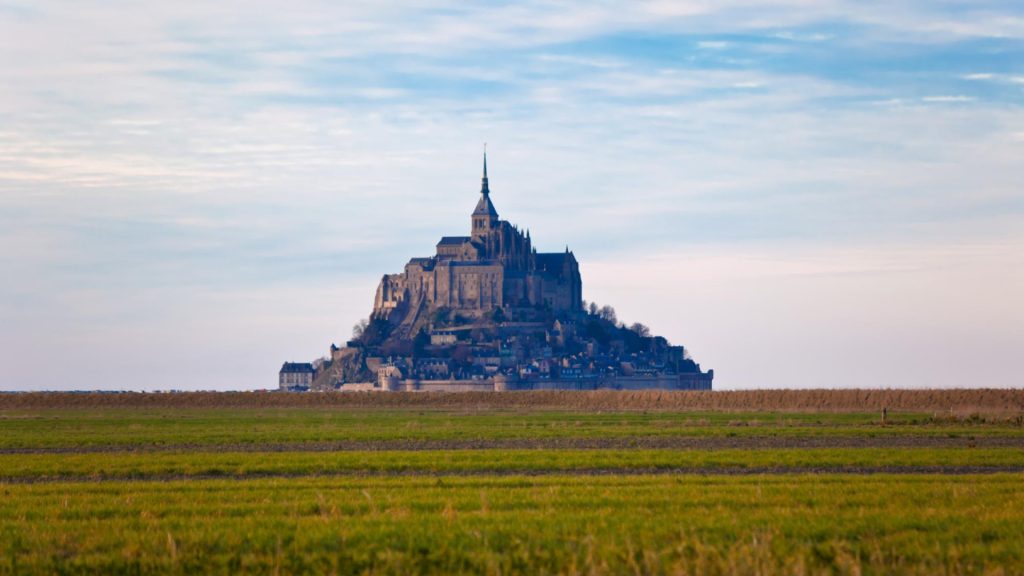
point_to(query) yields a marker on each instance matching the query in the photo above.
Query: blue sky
(806, 194)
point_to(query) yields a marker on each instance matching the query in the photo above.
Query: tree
(596, 330)
(498, 316)
(396, 347)
(360, 328)
(420, 342)
(440, 317)
(461, 353)
(593, 309)
(376, 332)
(608, 313)
(641, 330)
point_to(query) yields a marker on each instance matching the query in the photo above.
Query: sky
(804, 193)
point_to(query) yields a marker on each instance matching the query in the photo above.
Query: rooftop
(453, 240)
(297, 368)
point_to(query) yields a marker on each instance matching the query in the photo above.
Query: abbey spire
(484, 189)
(485, 217)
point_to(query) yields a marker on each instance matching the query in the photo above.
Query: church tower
(485, 217)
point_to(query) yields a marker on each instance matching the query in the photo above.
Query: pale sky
(804, 193)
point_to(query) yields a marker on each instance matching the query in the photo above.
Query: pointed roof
(484, 207)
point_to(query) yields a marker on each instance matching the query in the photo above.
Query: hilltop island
(489, 312)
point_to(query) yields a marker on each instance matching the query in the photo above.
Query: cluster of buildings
(532, 356)
(489, 312)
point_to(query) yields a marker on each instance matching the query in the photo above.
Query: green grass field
(398, 491)
(211, 427)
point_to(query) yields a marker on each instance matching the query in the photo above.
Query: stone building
(495, 266)
(296, 376)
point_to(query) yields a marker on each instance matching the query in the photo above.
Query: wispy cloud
(180, 155)
(956, 98)
(988, 76)
(804, 37)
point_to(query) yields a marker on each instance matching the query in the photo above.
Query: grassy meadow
(493, 489)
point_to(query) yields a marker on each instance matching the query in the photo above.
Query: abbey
(496, 266)
(489, 312)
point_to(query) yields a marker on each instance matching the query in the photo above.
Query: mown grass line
(106, 428)
(635, 442)
(241, 464)
(951, 471)
(519, 524)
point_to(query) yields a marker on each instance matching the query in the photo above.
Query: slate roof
(453, 240)
(297, 368)
(484, 207)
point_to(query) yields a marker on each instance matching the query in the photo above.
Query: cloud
(182, 169)
(804, 37)
(957, 98)
(1004, 78)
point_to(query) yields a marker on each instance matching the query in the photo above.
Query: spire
(484, 189)
(484, 216)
